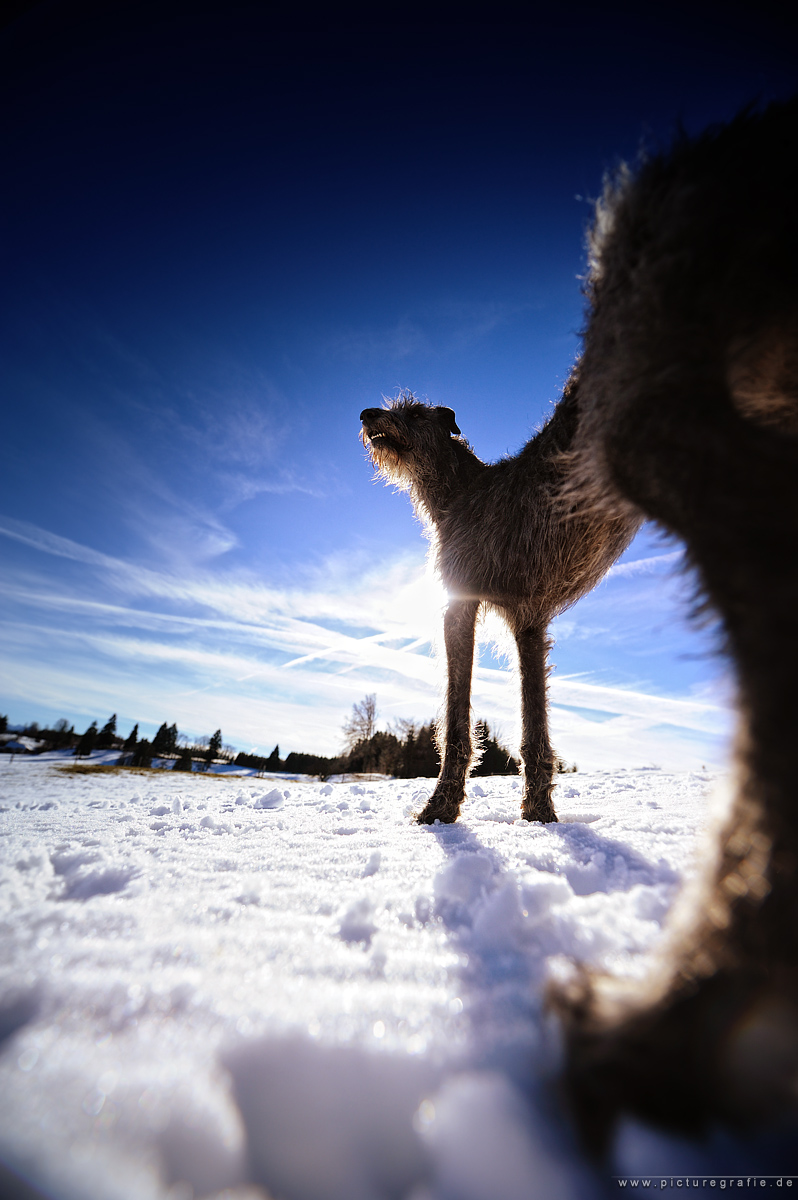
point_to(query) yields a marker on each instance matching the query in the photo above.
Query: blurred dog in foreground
(689, 399)
(684, 410)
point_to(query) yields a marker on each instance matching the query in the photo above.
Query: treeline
(407, 751)
(134, 751)
(167, 744)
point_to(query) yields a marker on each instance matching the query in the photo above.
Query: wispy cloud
(52, 543)
(284, 664)
(396, 342)
(653, 565)
(175, 451)
(177, 488)
(440, 329)
(240, 486)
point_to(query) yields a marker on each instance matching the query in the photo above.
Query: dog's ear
(447, 416)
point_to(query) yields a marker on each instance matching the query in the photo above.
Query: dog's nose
(370, 412)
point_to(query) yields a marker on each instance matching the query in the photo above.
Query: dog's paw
(443, 805)
(537, 805)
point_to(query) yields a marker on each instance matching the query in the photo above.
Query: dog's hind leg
(457, 752)
(536, 752)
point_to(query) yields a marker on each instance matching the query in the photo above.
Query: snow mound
(273, 799)
(330, 1122)
(357, 925)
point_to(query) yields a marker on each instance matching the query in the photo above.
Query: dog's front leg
(536, 751)
(455, 740)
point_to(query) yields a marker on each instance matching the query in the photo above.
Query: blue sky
(229, 228)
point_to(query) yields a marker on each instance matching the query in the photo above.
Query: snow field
(282, 987)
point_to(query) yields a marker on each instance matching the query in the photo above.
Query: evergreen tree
(107, 735)
(420, 758)
(165, 741)
(386, 753)
(184, 761)
(87, 742)
(273, 761)
(381, 752)
(3, 724)
(314, 764)
(214, 746)
(496, 759)
(129, 748)
(142, 754)
(160, 739)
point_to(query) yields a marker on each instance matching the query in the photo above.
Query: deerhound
(502, 536)
(689, 397)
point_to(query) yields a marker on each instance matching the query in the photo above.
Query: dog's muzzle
(367, 416)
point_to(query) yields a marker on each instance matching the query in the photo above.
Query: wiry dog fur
(502, 536)
(689, 394)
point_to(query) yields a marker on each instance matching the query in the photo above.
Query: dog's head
(408, 439)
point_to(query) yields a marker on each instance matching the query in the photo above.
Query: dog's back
(508, 535)
(691, 341)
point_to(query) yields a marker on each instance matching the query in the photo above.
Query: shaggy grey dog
(502, 535)
(689, 397)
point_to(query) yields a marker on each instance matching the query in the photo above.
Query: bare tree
(404, 728)
(361, 725)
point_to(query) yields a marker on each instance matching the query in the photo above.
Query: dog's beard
(390, 463)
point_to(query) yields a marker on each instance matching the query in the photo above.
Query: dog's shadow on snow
(505, 925)
(570, 850)
(497, 977)
(592, 862)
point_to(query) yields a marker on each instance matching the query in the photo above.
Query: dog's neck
(434, 490)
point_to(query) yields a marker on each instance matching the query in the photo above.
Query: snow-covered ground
(287, 988)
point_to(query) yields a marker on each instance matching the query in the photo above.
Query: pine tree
(420, 757)
(87, 742)
(496, 759)
(129, 748)
(107, 734)
(165, 741)
(214, 746)
(159, 741)
(142, 754)
(184, 762)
